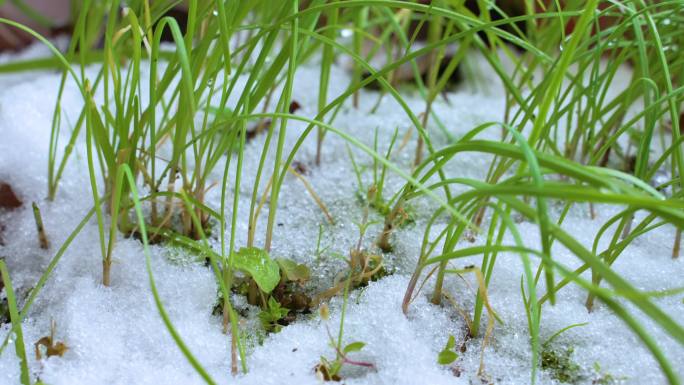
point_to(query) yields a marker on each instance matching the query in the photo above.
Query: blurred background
(53, 17)
(48, 17)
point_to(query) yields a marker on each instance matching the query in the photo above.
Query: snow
(116, 336)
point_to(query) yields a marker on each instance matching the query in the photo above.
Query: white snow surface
(116, 336)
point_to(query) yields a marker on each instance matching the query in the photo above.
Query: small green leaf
(269, 318)
(293, 271)
(451, 343)
(275, 308)
(354, 347)
(259, 266)
(446, 357)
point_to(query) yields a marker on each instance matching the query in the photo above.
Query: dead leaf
(52, 348)
(8, 199)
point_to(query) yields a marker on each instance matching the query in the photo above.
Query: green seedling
(285, 299)
(293, 272)
(271, 317)
(448, 355)
(329, 370)
(318, 253)
(282, 308)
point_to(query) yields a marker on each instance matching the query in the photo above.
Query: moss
(559, 364)
(604, 378)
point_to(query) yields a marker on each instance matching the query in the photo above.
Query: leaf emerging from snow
(256, 262)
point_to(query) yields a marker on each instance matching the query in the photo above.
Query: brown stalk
(42, 235)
